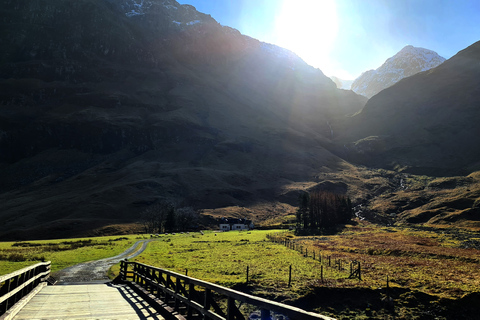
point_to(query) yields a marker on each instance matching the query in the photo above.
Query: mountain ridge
(425, 121)
(407, 62)
(96, 125)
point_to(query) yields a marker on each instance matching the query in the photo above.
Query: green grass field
(223, 258)
(427, 270)
(63, 253)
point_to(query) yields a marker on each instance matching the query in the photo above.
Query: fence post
(290, 276)
(388, 289)
(321, 272)
(247, 274)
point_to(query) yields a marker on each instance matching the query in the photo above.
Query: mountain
(409, 61)
(109, 106)
(342, 84)
(425, 124)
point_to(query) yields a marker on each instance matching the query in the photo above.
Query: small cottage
(227, 224)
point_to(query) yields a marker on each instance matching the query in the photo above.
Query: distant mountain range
(110, 106)
(409, 61)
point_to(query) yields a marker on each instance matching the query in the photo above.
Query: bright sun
(308, 28)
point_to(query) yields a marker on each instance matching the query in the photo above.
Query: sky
(344, 38)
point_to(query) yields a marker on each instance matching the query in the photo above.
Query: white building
(227, 224)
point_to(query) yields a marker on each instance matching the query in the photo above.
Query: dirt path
(96, 271)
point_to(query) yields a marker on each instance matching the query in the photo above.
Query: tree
(170, 219)
(154, 217)
(302, 212)
(186, 218)
(323, 210)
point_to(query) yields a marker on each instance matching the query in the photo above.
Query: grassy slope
(223, 258)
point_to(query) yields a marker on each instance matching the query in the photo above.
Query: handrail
(18, 284)
(197, 295)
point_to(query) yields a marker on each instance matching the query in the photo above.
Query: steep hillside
(427, 123)
(109, 106)
(407, 62)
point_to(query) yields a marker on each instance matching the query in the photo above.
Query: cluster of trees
(164, 217)
(322, 210)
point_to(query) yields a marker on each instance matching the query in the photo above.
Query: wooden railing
(186, 297)
(17, 285)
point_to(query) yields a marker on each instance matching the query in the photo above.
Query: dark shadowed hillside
(108, 106)
(427, 123)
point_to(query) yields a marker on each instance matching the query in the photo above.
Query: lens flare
(308, 28)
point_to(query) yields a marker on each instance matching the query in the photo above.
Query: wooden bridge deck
(87, 301)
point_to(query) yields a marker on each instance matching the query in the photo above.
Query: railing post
(136, 268)
(191, 295)
(124, 267)
(207, 303)
(177, 289)
(232, 309)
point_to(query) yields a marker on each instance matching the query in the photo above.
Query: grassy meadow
(436, 263)
(431, 275)
(223, 258)
(62, 252)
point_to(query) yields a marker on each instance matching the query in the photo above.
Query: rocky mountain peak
(407, 62)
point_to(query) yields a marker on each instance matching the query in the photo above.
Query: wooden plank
(92, 301)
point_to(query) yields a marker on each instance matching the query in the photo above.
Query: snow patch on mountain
(409, 61)
(136, 7)
(191, 23)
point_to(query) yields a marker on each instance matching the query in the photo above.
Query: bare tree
(186, 218)
(154, 217)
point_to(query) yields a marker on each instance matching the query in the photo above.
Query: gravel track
(96, 271)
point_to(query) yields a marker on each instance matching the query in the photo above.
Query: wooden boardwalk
(87, 301)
